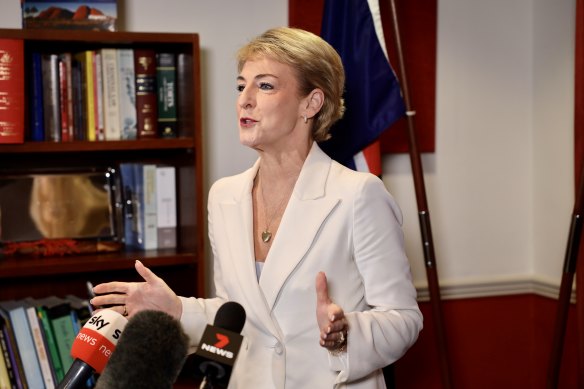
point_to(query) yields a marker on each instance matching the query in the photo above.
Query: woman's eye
(240, 88)
(266, 86)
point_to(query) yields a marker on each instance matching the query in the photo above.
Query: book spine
(79, 106)
(11, 91)
(129, 204)
(166, 206)
(166, 93)
(150, 212)
(146, 105)
(51, 344)
(39, 344)
(4, 379)
(51, 99)
(127, 93)
(63, 101)
(86, 58)
(6, 356)
(37, 125)
(98, 96)
(185, 94)
(25, 346)
(64, 336)
(111, 100)
(66, 59)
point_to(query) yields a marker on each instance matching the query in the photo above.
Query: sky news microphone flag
(372, 93)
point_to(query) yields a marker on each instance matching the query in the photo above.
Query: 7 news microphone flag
(373, 97)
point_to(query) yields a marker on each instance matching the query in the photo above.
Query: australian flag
(372, 93)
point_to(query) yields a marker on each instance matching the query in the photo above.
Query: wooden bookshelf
(182, 268)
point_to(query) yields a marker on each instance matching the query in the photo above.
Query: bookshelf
(182, 268)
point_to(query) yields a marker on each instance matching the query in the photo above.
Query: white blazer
(342, 222)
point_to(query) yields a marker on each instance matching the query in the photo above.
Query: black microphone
(220, 345)
(150, 353)
(92, 347)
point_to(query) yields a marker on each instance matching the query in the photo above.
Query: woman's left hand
(330, 317)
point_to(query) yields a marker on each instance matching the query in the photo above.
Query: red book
(11, 91)
(146, 102)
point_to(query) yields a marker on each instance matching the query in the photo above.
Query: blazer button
(278, 348)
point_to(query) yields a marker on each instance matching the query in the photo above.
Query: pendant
(266, 236)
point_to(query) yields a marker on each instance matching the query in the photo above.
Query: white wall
(499, 186)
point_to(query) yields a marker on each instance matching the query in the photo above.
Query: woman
(312, 250)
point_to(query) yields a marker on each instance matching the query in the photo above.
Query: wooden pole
(423, 214)
(574, 249)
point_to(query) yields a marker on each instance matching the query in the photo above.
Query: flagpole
(423, 214)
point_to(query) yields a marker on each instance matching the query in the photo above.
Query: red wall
(494, 342)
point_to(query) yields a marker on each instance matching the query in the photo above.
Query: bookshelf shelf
(182, 268)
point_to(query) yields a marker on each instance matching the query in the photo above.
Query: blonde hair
(316, 64)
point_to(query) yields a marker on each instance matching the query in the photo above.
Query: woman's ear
(315, 100)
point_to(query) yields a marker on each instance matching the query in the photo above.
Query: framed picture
(96, 15)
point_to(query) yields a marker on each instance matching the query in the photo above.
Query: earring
(305, 118)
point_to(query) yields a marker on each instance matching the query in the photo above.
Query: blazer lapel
(307, 210)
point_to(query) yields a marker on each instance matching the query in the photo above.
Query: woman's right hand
(129, 298)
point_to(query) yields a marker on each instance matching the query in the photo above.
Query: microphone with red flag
(220, 345)
(93, 347)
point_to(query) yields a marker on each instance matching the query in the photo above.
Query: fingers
(145, 273)
(322, 295)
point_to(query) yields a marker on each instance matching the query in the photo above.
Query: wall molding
(499, 286)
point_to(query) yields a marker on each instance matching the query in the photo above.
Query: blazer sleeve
(382, 334)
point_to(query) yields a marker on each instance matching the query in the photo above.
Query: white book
(41, 350)
(166, 206)
(98, 85)
(145, 189)
(111, 100)
(127, 93)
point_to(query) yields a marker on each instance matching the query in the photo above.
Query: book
(6, 347)
(111, 101)
(127, 93)
(50, 341)
(145, 190)
(166, 206)
(37, 120)
(71, 15)
(39, 344)
(146, 104)
(66, 97)
(11, 91)
(185, 94)
(4, 378)
(98, 96)
(85, 62)
(128, 204)
(79, 105)
(166, 94)
(24, 342)
(58, 311)
(51, 99)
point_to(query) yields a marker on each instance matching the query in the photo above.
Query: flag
(373, 97)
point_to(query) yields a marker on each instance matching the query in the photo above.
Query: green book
(166, 95)
(59, 313)
(51, 343)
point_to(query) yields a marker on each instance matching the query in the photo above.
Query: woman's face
(269, 107)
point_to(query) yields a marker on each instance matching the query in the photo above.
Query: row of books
(36, 338)
(103, 94)
(150, 205)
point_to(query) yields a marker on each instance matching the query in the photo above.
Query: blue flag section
(372, 93)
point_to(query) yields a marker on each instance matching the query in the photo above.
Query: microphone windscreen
(230, 316)
(97, 340)
(150, 354)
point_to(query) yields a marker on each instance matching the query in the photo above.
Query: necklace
(266, 233)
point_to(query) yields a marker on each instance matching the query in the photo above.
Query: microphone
(93, 346)
(150, 354)
(220, 345)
